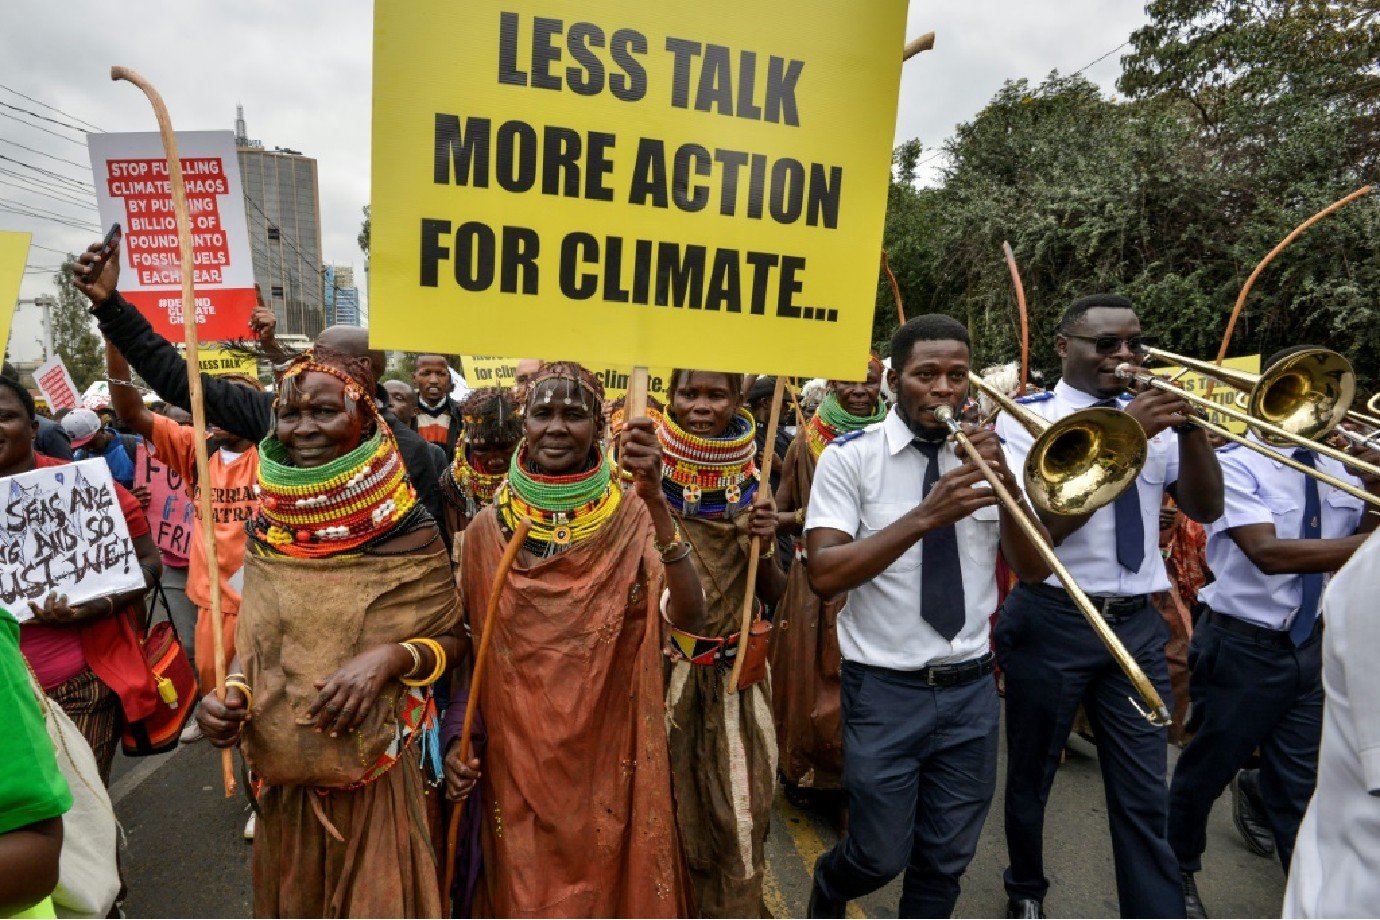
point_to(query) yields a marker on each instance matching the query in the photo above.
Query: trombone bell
(1307, 393)
(1085, 461)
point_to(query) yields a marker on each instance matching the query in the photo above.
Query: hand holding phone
(112, 240)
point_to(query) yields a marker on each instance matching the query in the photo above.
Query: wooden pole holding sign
(203, 476)
(755, 550)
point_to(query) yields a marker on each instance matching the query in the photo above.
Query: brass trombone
(1301, 398)
(1075, 466)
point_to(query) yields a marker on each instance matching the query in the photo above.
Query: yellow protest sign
(224, 361)
(1222, 394)
(624, 182)
(484, 371)
(14, 252)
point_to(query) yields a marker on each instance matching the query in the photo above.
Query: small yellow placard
(1222, 394)
(14, 251)
(483, 371)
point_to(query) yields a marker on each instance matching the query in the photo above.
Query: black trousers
(1053, 661)
(1248, 692)
(920, 769)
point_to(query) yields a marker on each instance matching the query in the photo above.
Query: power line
(41, 210)
(52, 108)
(82, 166)
(41, 117)
(62, 252)
(70, 140)
(67, 223)
(36, 183)
(1093, 62)
(81, 186)
(45, 193)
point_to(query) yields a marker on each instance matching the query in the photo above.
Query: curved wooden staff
(895, 288)
(1270, 257)
(471, 705)
(1025, 316)
(755, 550)
(916, 45)
(203, 475)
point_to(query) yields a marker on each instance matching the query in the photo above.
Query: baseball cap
(81, 426)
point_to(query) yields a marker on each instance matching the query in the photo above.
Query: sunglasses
(1109, 344)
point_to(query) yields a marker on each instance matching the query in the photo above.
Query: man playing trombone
(1053, 662)
(1257, 652)
(907, 526)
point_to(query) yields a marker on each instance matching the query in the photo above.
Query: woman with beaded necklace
(332, 707)
(492, 423)
(723, 748)
(579, 819)
(805, 656)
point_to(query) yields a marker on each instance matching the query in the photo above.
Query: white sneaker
(192, 733)
(249, 826)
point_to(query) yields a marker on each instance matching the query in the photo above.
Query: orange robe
(576, 778)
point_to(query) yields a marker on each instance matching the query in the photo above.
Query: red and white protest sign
(56, 385)
(133, 189)
(170, 511)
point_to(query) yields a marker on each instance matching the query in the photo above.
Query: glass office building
(283, 207)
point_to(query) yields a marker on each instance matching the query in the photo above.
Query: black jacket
(239, 410)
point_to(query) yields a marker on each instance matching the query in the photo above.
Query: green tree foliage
(1241, 120)
(364, 234)
(74, 339)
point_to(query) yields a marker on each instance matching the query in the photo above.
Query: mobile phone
(112, 239)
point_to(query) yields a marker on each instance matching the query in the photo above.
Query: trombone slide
(1157, 713)
(1130, 372)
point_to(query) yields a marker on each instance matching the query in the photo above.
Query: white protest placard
(132, 189)
(56, 384)
(62, 530)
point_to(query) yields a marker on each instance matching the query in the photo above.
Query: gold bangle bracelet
(243, 688)
(439, 668)
(416, 658)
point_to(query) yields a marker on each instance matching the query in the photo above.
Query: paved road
(186, 858)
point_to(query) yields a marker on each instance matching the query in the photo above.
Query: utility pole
(46, 303)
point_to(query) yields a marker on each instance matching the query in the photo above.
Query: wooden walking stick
(1025, 317)
(471, 705)
(916, 45)
(203, 476)
(895, 289)
(1270, 257)
(755, 550)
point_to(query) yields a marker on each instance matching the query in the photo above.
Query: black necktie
(1130, 525)
(941, 575)
(1311, 529)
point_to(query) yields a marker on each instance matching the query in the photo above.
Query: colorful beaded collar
(563, 510)
(709, 478)
(475, 489)
(338, 507)
(831, 420)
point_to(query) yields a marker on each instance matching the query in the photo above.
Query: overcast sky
(302, 72)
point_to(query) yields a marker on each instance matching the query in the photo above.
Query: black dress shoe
(820, 904)
(1027, 908)
(1193, 904)
(1248, 813)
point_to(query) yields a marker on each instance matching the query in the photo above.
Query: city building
(283, 207)
(342, 297)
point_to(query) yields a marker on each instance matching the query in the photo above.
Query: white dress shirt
(1261, 490)
(1089, 553)
(864, 483)
(1336, 866)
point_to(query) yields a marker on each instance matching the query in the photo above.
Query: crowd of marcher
(375, 539)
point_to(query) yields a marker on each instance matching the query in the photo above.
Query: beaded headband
(568, 371)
